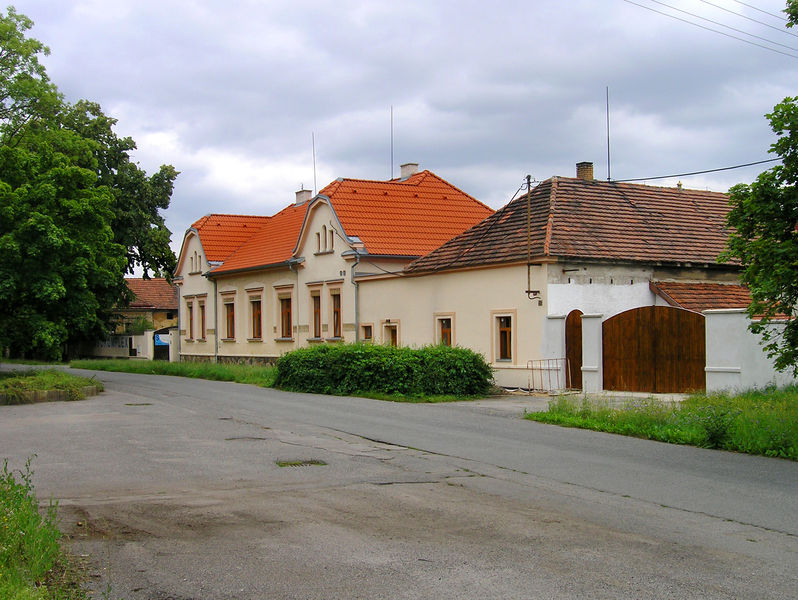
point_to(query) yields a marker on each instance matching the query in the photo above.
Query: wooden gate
(658, 349)
(573, 350)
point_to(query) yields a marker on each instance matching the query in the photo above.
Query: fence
(548, 374)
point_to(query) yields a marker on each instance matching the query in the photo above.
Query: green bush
(348, 369)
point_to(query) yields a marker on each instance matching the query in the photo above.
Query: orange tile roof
(702, 296)
(272, 244)
(407, 217)
(399, 217)
(152, 293)
(221, 235)
(591, 219)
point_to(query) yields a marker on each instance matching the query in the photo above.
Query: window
(332, 240)
(336, 313)
(190, 319)
(505, 329)
(202, 320)
(257, 321)
(230, 319)
(324, 238)
(285, 318)
(318, 242)
(316, 315)
(368, 333)
(445, 331)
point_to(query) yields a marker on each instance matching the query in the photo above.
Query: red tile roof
(591, 219)
(272, 244)
(702, 296)
(407, 217)
(152, 293)
(221, 235)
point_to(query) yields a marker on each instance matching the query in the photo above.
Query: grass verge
(14, 385)
(255, 375)
(763, 422)
(33, 565)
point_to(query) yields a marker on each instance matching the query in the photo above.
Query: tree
(76, 213)
(763, 225)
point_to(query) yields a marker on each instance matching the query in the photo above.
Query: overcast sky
(231, 92)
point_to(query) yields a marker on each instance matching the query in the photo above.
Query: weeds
(33, 566)
(758, 422)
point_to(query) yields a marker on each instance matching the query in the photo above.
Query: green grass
(255, 375)
(761, 422)
(33, 565)
(14, 384)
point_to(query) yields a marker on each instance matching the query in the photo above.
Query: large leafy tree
(76, 213)
(764, 236)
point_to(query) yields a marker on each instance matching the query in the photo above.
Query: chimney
(584, 170)
(303, 196)
(408, 169)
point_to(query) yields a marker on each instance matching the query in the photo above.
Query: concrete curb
(51, 395)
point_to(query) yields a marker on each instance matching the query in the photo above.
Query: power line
(751, 164)
(782, 17)
(742, 16)
(734, 37)
(719, 24)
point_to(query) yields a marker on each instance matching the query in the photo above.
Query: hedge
(348, 369)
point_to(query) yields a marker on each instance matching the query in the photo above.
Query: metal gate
(658, 349)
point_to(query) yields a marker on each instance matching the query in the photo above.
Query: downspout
(215, 326)
(357, 297)
(179, 304)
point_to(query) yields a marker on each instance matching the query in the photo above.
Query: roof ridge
(641, 185)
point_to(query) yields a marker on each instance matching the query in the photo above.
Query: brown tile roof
(221, 235)
(152, 293)
(407, 217)
(702, 296)
(591, 219)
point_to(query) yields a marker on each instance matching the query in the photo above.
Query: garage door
(658, 349)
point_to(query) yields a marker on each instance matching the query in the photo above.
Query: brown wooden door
(573, 349)
(658, 349)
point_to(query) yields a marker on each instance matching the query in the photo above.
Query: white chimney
(303, 196)
(408, 169)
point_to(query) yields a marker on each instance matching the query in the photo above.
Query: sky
(236, 94)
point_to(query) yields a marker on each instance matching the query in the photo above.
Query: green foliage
(139, 325)
(15, 384)
(764, 239)
(351, 369)
(32, 564)
(254, 375)
(757, 422)
(75, 212)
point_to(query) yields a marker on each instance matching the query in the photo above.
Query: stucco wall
(735, 359)
(474, 300)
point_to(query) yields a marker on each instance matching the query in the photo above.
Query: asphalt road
(171, 490)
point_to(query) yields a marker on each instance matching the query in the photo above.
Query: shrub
(348, 369)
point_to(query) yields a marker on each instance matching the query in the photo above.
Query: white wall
(735, 359)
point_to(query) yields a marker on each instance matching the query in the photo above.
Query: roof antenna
(313, 141)
(609, 177)
(391, 176)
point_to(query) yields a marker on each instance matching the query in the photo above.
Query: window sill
(257, 339)
(337, 338)
(283, 339)
(324, 252)
(315, 340)
(228, 340)
(507, 361)
(201, 340)
(189, 340)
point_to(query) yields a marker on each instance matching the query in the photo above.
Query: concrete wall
(735, 359)
(118, 346)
